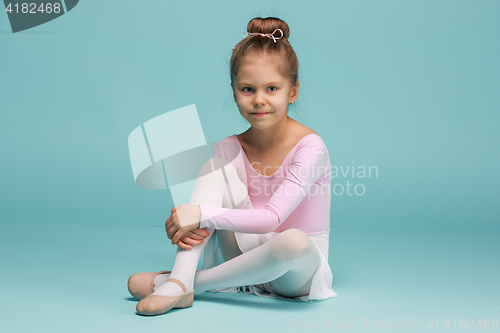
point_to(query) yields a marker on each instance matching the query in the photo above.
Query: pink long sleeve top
(297, 195)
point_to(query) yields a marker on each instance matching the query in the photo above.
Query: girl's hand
(183, 218)
(192, 238)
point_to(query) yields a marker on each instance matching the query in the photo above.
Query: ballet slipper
(141, 285)
(158, 304)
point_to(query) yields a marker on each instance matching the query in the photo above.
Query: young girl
(266, 192)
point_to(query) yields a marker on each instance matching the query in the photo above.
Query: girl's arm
(308, 165)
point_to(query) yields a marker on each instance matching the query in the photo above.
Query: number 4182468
(470, 324)
(31, 8)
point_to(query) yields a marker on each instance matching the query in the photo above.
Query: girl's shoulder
(310, 143)
(301, 130)
(303, 133)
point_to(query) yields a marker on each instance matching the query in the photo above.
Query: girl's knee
(291, 244)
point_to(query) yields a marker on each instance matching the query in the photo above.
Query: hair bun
(268, 25)
(272, 43)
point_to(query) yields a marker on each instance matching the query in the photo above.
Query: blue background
(408, 86)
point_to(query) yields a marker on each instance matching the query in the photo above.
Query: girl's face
(262, 93)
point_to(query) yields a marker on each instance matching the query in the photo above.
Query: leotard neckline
(288, 155)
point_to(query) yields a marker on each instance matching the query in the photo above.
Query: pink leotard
(297, 195)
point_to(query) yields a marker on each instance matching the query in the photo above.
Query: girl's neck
(265, 139)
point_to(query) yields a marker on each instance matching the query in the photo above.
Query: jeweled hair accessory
(246, 34)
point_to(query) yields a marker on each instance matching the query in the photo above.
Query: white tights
(288, 261)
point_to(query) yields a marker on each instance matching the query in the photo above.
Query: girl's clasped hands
(183, 226)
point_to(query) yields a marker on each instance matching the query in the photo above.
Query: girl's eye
(248, 89)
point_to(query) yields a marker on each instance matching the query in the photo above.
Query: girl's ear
(294, 93)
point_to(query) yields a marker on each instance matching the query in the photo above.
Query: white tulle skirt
(321, 287)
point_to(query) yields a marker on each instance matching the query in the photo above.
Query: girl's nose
(259, 99)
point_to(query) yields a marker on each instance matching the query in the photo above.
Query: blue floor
(72, 278)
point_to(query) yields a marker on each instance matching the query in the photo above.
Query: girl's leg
(210, 189)
(228, 247)
(288, 262)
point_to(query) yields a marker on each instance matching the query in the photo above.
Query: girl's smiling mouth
(260, 114)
